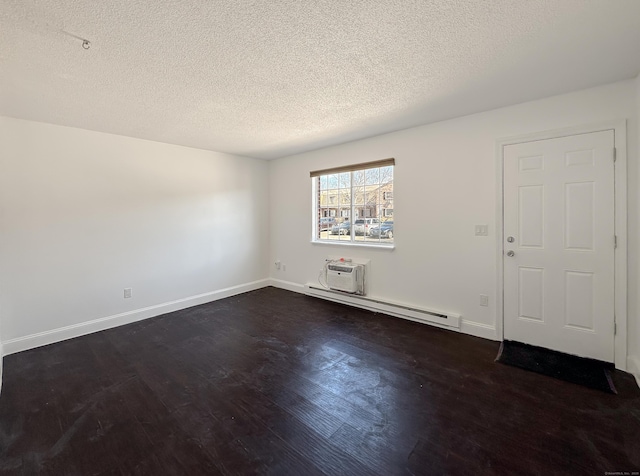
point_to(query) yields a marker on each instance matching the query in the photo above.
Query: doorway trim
(619, 129)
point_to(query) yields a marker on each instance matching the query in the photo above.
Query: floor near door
(588, 372)
(274, 382)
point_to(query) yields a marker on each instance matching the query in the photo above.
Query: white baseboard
(633, 367)
(32, 341)
(466, 327)
(476, 329)
(288, 285)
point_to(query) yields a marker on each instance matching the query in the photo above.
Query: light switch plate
(482, 230)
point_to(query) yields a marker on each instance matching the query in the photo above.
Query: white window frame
(352, 209)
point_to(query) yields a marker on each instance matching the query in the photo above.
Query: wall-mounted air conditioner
(348, 278)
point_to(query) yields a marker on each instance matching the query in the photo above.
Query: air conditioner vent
(347, 278)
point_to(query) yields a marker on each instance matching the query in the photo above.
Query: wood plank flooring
(274, 382)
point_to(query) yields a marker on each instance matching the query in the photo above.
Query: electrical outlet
(484, 300)
(277, 263)
(284, 267)
(127, 293)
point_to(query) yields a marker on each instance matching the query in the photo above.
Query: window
(361, 195)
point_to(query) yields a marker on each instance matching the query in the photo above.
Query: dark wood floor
(273, 382)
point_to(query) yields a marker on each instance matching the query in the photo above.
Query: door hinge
(615, 328)
(615, 241)
(615, 154)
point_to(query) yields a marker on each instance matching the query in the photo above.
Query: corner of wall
(288, 285)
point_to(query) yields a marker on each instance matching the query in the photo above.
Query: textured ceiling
(268, 78)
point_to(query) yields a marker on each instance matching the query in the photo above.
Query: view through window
(355, 203)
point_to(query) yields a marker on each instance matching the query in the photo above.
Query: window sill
(361, 244)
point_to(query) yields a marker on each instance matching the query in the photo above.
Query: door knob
(510, 253)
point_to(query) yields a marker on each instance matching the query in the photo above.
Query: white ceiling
(268, 78)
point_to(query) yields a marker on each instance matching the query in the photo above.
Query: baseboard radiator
(426, 316)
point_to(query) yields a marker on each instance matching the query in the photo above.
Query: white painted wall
(85, 214)
(445, 183)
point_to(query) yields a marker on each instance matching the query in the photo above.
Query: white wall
(445, 183)
(85, 214)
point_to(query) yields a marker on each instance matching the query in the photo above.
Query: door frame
(619, 129)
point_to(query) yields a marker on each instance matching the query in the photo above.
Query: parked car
(343, 228)
(384, 230)
(326, 223)
(364, 225)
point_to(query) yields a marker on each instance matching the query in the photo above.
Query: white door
(559, 244)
